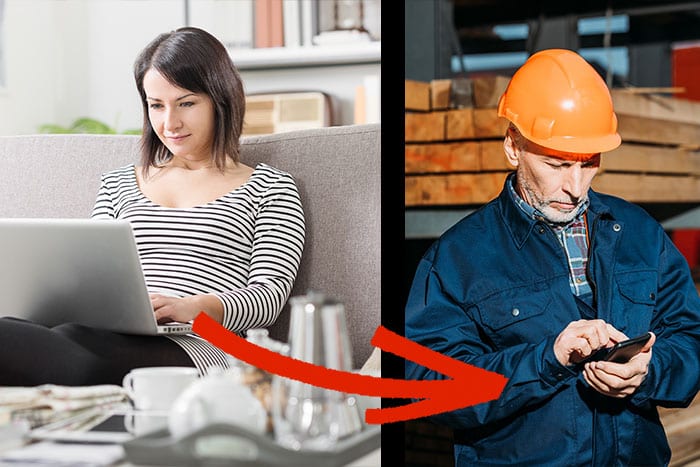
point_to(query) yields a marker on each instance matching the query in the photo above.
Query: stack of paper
(39, 405)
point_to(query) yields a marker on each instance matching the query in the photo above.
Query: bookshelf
(282, 46)
(336, 70)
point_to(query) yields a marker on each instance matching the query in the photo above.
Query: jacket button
(540, 229)
(515, 312)
(617, 227)
(652, 296)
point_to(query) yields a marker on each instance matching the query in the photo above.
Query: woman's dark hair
(193, 59)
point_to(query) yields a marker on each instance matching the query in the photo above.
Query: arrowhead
(468, 385)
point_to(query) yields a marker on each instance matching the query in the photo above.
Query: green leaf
(90, 125)
(86, 125)
(49, 128)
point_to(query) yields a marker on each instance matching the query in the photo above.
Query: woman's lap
(72, 354)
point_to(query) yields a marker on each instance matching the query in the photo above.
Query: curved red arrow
(468, 385)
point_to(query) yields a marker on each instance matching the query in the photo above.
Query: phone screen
(113, 423)
(110, 429)
(620, 352)
(623, 351)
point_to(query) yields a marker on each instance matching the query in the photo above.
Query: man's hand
(583, 337)
(619, 379)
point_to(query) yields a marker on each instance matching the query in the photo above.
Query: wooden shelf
(317, 55)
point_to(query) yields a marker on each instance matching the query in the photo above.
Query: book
(269, 24)
(291, 16)
(309, 22)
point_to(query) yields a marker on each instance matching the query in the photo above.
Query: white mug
(157, 388)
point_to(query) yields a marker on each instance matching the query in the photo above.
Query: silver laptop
(84, 271)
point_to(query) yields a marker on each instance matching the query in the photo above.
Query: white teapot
(239, 395)
(220, 397)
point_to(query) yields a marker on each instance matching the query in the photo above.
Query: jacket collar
(520, 225)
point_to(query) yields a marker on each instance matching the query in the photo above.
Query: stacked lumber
(454, 145)
(682, 428)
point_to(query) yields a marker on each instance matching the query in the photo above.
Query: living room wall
(72, 58)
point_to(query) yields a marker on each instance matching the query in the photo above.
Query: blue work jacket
(494, 292)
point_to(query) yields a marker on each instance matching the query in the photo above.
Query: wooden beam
(640, 188)
(682, 426)
(652, 130)
(460, 124)
(479, 188)
(461, 94)
(428, 126)
(488, 90)
(445, 157)
(453, 189)
(442, 157)
(672, 109)
(440, 94)
(487, 124)
(417, 95)
(643, 158)
(493, 157)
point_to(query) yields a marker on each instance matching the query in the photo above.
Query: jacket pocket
(515, 316)
(638, 287)
(636, 300)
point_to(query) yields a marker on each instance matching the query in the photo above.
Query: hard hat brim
(580, 145)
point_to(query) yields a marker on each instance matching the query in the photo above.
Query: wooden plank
(461, 94)
(493, 157)
(649, 188)
(417, 95)
(488, 89)
(642, 158)
(651, 130)
(440, 94)
(442, 157)
(479, 188)
(453, 189)
(654, 106)
(487, 124)
(429, 126)
(467, 156)
(682, 426)
(460, 124)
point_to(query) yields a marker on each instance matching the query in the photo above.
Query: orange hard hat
(559, 101)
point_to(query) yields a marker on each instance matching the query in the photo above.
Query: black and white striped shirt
(244, 248)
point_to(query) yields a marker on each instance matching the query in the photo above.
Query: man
(543, 276)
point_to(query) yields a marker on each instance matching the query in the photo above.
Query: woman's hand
(184, 310)
(619, 379)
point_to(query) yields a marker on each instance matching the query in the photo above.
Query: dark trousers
(75, 355)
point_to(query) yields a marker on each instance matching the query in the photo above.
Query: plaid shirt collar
(536, 214)
(573, 238)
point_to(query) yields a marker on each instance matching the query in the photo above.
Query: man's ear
(510, 150)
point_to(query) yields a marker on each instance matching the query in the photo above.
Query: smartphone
(106, 428)
(622, 351)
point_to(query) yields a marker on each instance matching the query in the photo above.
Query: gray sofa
(337, 169)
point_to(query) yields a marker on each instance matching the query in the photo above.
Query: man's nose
(573, 183)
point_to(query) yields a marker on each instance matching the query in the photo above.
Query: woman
(214, 235)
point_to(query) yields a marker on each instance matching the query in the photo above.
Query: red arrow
(468, 385)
